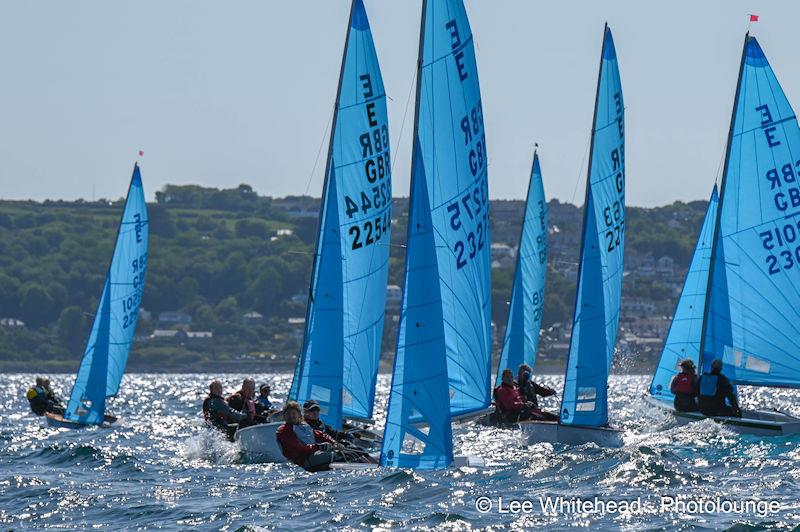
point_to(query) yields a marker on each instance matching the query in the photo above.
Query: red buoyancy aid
(684, 383)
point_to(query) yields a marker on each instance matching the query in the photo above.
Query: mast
(719, 204)
(586, 205)
(322, 203)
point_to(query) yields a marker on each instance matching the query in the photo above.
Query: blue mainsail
(444, 330)
(527, 294)
(753, 316)
(110, 340)
(339, 363)
(683, 339)
(597, 304)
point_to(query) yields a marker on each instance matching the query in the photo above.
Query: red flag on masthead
(753, 18)
(141, 153)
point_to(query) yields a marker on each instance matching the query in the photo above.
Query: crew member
(243, 401)
(311, 412)
(529, 390)
(37, 397)
(715, 389)
(510, 404)
(218, 414)
(684, 388)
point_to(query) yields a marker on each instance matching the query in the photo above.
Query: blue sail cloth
(444, 340)
(597, 305)
(339, 363)
(683, 339)
(106, 353)
(527, 295)
(753, 321)
(418, 432)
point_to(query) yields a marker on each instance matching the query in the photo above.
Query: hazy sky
(219, 93)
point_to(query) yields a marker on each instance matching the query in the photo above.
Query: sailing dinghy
(338, 366)
(109, 343)
(584, 403)
(745, 295)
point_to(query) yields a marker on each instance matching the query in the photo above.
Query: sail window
(757, 364)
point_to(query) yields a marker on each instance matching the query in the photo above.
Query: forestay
(753, 321)
(339, 363)
(527, 295)
(594, 331)
(114, 324)
(683, 339)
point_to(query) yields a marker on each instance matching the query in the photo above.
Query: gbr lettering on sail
(781, 240)
(614, 213)
(469, 211)
(375, 198)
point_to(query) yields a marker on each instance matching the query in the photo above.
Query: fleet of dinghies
(739, 302)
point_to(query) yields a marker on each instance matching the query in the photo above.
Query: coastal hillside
(228, 278)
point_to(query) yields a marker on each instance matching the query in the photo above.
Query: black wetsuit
(219, 415)
(715, 388)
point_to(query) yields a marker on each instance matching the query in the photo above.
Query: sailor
(510, 404)
(529, 390)
(715, 388)
(311, 412)
(218, 414)
(243, 401)
(264, 406)
(684, 387)
(54, 403)
(37, 397)
(312, 449)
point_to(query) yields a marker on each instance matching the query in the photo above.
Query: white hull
(756, 422)
(554, 432)
(458, 461)
(260, 442)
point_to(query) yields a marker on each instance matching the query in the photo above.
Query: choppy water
(160, 468)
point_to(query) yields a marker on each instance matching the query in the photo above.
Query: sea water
(161, 468)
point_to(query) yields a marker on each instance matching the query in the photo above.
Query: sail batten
(527, 294)
(109, 342)
(338, 364)
(598, 294)
(751, 316)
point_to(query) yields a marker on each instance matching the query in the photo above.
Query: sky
(222, 93)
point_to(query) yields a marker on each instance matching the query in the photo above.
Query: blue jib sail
(683, 339)
(753, 321)
(597, 305)
(339, 363)
(110, 340)
(444, 330)
(527, 294)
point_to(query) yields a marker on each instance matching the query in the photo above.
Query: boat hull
(554, 432)
(58, 421)
(260, 442)
(756, 422)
